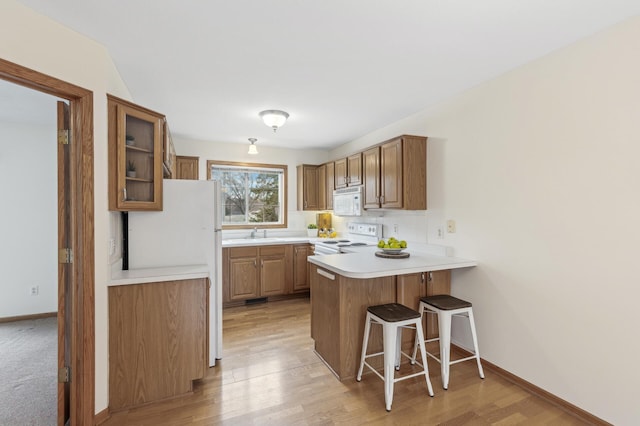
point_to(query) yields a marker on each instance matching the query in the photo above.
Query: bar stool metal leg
(472, 324)
(365, 342)
(444, 328)
(389, 332)
(423, 355)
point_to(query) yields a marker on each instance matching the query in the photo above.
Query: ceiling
(341, 68)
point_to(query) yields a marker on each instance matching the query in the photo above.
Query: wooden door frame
(82, 239)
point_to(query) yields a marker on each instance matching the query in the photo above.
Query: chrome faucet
(254, 231)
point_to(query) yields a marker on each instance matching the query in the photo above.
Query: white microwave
(347, 201)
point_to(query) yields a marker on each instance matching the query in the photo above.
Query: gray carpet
(28, 372)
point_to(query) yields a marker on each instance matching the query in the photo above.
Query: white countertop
(242, 242)
(365, 264)
(150, 275)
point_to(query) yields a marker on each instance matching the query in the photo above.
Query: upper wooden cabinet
(307, 190)
(135, 156)
(322, 186)
(395, 174)
(187, 167)
(371, 172)
(348, 171)
(330, 184)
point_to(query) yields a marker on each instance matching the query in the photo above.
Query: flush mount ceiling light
(253, 150)
(274, 118)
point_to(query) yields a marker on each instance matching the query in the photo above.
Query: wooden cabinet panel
(322, 187)
(135, 156)
(330, 185)
(158, 340)
(300, 267)
(348, 171)
(340, 170)
(391, 174)
(411, 287)
(371, 177)
(325, 317)
(307, 182)
(187, 167)
(243, 278)
(354, 169)
(272, 275)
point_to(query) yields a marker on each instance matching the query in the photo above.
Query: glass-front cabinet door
(135, 140)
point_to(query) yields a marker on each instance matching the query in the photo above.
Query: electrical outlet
(440, 232)
(451, 226)
(35, 290)
(112, 246)
(395, 228)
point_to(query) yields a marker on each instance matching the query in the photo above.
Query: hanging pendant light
(253, 150)
(274, 118)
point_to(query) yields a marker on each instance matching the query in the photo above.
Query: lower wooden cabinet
(256, 271)
(301, 266)
(339, 308)
(411, 287)
(158, 340)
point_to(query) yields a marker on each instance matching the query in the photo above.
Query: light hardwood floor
(269, 375)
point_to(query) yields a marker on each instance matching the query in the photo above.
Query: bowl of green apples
(392, 245)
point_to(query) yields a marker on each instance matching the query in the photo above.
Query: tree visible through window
(252, 195)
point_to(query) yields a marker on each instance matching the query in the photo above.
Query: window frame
(285, 190)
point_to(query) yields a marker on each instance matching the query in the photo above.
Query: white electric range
(358, 234)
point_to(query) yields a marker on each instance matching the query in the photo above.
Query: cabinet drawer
(273, 250)
(235, 252)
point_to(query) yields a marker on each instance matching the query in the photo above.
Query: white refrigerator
(188, 231)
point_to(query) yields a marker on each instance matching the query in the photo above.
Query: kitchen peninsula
(344, 285)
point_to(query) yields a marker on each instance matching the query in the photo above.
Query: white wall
(29, 221)
(539, 169)
(36, 42)
(220, 151)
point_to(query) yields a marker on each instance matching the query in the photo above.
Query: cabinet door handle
(255, 263)
(422, 277)
(124, 194)
(326, 274)
(262, 263)
(382, 199)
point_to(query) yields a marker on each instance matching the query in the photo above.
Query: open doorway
(75, 241)
(28, 256)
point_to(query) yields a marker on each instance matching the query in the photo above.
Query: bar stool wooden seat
(446, 307)
(393, 317)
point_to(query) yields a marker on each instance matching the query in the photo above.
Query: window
(254, 195)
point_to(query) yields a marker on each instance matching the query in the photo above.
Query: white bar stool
(446, 307)
(393, 317)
